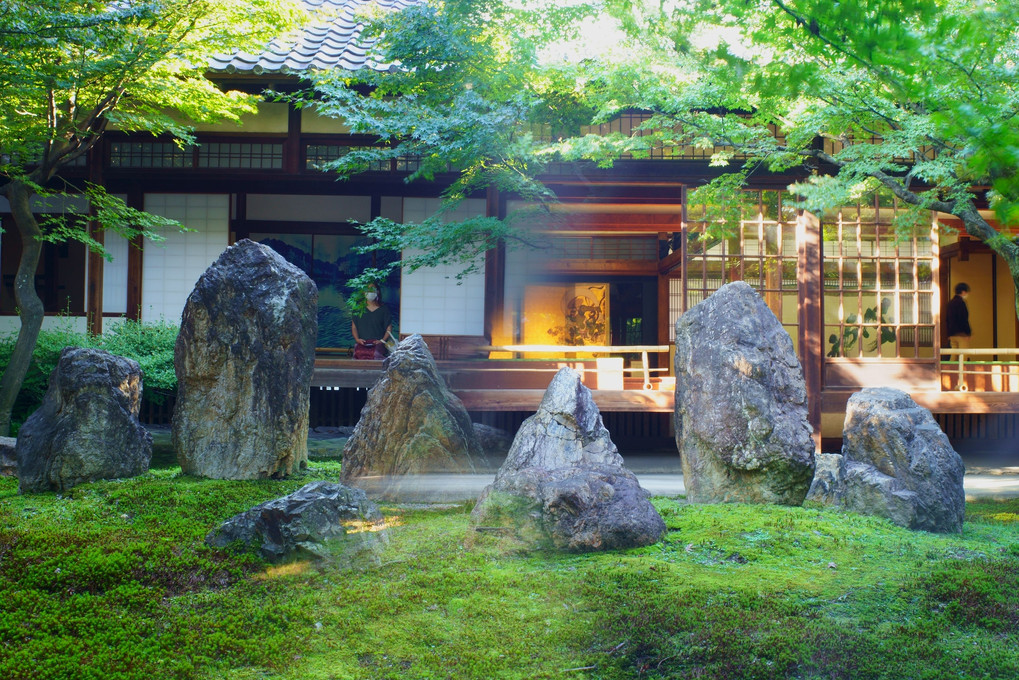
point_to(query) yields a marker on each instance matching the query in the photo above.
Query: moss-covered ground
(113, 581)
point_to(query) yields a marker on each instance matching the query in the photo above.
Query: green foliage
(44, 360)
(150, 344)
(917, 97)
(113, 580)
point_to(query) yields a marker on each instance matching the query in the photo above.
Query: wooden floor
(515, 386)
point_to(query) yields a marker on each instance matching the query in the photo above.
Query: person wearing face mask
(372, 328)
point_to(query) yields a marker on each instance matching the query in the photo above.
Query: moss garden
(113, 581)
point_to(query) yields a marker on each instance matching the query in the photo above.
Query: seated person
(372, 328)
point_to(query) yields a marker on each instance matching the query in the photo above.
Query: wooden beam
(670, 261)
(834, 401)
(621, 267)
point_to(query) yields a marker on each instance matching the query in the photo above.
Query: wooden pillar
(683, 239)
(810, 286)
(292, 147)
(663, 299)
(95, 262)
(495, 273)
(939, 282)
(135, 253)
(239, 223)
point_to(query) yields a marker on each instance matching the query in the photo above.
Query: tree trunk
(30, 307)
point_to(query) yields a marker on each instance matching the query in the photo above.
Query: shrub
(44, 359)
(150, 344)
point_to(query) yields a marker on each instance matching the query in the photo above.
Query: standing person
(372, 327)
(957, 318)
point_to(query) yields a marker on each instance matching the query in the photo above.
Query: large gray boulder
(411, 423)
(741, 403)
(87, 427)
(895, 463)
(563, 484)
(244, 359)
(321, 519)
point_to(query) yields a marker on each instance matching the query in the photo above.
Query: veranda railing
(981, 369)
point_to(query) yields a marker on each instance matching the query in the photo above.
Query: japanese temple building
(623, 255)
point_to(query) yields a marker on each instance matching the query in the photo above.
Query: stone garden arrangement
(87, 427)
(244, 359)
(563, 484)
(741, 403)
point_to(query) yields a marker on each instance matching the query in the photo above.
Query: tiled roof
(331, 40)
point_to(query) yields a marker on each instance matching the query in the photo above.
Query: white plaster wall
(283, 208)
(11, 324)
(171, 268)
(115, 275)
(431, 302)
(392, 207)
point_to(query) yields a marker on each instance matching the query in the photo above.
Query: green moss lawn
(113, 582)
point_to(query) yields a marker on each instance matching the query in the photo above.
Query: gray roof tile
(331, 40)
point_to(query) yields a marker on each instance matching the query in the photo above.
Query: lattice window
(150, 155)
(878, 288)
(761, 251)
(318, 155)
(241, 155)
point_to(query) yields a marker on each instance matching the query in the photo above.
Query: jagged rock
(563, 484)
(87, 427)
(8, 457)
(895, 463)
(244, 359)
(411, 424)
(320, 519)
(741, 403)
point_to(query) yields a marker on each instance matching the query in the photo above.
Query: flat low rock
(321, 519)
(563, 485)
(895, 463)
(741, 403)
(87, 427)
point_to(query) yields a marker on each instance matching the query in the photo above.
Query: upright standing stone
(741, 403)
(244, 359)
(895, 463)
(411, 423)
(563, 484)
(87, 427)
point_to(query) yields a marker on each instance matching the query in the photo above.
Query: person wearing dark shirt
(957, 318)
(372, 328)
